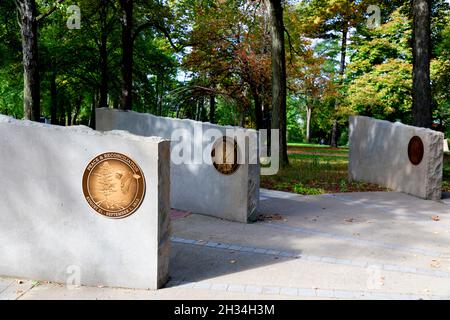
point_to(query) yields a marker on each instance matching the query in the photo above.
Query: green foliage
(301, 189)
(315, 174)
(380, 81)
(343, 138)
(295, 128)
(222, 48)
(384, 92)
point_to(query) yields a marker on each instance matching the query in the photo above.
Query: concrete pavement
(378, 245)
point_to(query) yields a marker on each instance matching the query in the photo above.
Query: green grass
(326, 172)
(311, 173)
(337, 157)
(318, 150)
(302, 144)
(315, 174)
(446, 173)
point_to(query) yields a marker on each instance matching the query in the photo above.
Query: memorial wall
(397, 156)
(83, 207)
(199, 184)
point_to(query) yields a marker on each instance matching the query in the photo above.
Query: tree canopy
(212, 61)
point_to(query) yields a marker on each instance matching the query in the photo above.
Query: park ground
(330, 243)
(366, 245)
(317, 169)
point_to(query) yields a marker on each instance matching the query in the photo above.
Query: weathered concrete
(47, 229)
(196, 185)
(379, 154)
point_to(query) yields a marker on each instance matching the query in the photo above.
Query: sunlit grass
(316, 169)
(316, 174)
(446, 173)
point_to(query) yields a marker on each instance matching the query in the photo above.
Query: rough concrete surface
(379, 154)
(195, 186)
(47, 229)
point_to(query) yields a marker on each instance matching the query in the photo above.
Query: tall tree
(127, 54)
(28, 21)
(31, 82)
(103, 50)
(333, 19)
(421, 93)
(275, 12)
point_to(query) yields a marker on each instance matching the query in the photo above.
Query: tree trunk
(200, 103)
(31, 81)
(212, 108)
(421, 93)
(334, 131)
(275, 11)
(68, 115)
(53, 99)
(78, 103)
(258, 108)
(308, 123)
(93, 107)
(103, 103)
(127, 54)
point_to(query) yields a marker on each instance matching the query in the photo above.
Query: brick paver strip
(302, 292)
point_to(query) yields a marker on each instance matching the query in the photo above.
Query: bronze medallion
(224, 155)
(114, 185)
(415, 150)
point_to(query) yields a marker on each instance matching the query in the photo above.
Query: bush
(343, 138)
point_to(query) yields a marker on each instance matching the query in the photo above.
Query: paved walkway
(379, 245)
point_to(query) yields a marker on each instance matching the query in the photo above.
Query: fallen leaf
(435, 218)
(275, 216)
(435, 264)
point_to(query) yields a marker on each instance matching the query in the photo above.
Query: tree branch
(291, 47)
(160, 28)
(50, 11)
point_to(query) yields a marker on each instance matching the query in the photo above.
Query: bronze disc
(224, 155)
(415, 150)
(113, 185)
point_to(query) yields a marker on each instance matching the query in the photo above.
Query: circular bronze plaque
(224, 155)
(415, 150)
(113, 185)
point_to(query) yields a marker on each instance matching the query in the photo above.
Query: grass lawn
(316, 169)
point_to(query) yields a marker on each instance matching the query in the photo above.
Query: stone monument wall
(48, 230)
(389, 154)
(195, 187)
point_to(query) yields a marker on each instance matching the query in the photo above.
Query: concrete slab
(15, 288)
(48, 230)
(196, 185)
(313, 253)
(397, 156)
